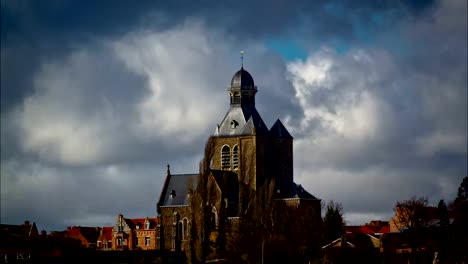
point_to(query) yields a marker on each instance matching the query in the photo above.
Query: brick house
(104, 241)
(86, 235)
(136, 233)
(248, 163)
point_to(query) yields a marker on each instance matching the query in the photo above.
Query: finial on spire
(168, 169)
(242, 59)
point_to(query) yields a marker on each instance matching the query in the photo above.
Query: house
(104, 241)
(136, 233)
(17, 241)
(86, 235)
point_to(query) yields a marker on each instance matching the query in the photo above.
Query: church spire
(242, 59)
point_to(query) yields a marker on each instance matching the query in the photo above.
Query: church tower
(240, 139)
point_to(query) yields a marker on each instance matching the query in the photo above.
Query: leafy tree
(333, 222)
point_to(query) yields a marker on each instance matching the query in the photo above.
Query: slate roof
(243, 80)
(248, 122)
(176, 188)
(279, 131)
(25, 229)
(289, 189)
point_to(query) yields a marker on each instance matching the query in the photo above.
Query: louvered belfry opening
(226, 158)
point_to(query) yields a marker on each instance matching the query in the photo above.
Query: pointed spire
(168, 169)
(242, 59)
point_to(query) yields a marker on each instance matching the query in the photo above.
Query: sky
(97, 98)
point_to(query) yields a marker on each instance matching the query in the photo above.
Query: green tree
(333, 222)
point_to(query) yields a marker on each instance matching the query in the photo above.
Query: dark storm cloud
(394, 121)
(97, 98)
(32, 30)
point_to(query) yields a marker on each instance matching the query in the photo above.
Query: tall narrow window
(235, 157)
(225, 158)
(147, 241)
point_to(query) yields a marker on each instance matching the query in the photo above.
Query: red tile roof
(141, 222)
(106, 233)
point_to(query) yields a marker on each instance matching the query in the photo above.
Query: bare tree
(411, 218)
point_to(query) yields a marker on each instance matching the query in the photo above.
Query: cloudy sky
(96, 99)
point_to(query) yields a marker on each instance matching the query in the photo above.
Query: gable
(176, 188)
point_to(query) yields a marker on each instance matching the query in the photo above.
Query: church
(247, 182)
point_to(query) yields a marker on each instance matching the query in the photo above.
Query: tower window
(235, 157)
(225, 157)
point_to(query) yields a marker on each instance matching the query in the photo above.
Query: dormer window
(147, 225)
(234, 124)
(173, 193)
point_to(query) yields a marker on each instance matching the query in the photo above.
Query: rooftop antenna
(242, 59)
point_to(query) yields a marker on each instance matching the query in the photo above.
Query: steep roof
(25, 229)
(279, 131)
(106, 233)
(91, 234)
(288, 189)
(141, 222)
(176, 189)
(241, 120)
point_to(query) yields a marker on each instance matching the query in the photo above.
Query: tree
(462, 194)
(459, 228)
(411, 218)
(333, 222)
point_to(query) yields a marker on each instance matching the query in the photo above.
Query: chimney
(43, 232)
(26, 222)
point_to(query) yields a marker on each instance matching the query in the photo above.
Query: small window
(234, 124)
(225, 158)
(136, 241)
(147, 240)
(235, 157)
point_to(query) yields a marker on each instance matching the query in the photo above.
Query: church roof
(286, 189)
(279, 131)
(241, 120)
(243, 80)
(176, 189)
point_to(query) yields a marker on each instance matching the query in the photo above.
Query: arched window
(225, 157)
(185, 227)
(214, 217)
(235, 157)
(180, 231)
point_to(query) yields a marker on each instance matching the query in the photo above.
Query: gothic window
(185, 227)
(235, 157)
(214, 217)
(119, 241)
(225, 157)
